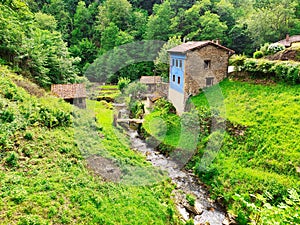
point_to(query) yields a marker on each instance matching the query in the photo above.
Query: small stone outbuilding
(193, 66)
(151, 82)
(72, 93)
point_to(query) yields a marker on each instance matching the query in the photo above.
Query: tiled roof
(150, 79)
(287, 42)
(68, 91)
(183, 48)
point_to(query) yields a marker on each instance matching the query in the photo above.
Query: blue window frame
(177, 72)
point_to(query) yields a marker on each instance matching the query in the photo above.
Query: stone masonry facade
(196, 71)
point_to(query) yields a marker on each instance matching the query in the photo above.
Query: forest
(45, 143)
(56, 41)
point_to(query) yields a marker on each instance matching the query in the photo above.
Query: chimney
(287, 37)
(218, 41)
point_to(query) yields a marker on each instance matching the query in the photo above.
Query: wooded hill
(53, 40)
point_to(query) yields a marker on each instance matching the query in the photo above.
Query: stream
(204, 210)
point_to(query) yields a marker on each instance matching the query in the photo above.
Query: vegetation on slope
(260, 148)
(43, 174)
(53, 41)
(285, 71)
(30, 44)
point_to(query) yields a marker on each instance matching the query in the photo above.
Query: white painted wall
(177, 100)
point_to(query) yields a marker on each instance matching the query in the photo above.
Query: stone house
(290, 40)
(193, 66)
(72, 93)
(151, 82)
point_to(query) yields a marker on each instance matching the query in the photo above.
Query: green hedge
(286, 71)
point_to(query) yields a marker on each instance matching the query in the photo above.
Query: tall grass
(43, 173)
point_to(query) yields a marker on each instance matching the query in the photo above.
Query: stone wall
(79, 102)
(196, 73)
(163, 89)
(160, 88)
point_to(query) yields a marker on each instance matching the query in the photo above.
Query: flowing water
(204, 210)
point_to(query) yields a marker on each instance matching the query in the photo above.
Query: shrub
(136, 109)
(28, 136)
(279, 70)
(136, 90)
(191, 199)
(123, 83)
(262, 212)
(7, 116)
(264, 48)
(12, 159)
(237, 60)
(258, 54)
(274, 48)
(164, 106)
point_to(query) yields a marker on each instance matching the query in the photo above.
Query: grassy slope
(43, 175)
(265, 157)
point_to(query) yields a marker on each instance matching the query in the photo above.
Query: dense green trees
(162, 60)
(30, 44)
(93, 28)
(158, 24)
(276, 19)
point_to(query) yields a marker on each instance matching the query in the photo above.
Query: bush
(136, 90)
(191, 199)
(262, 212)
(258, 54)
(279, 70)
(123, 83)
(264, 49)
(274, 48)
(237, 60)
(164, 106)
(136, 109)
(7, 116)
(28, 136)
(12, 159)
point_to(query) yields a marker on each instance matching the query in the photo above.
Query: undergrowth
(259, 146)
(43, 173)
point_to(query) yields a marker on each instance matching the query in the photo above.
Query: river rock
(205, 210)
(196, 209)
(184, 214)
(226, 221)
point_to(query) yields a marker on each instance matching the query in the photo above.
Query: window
(176, 62)
(209, 81)
(180, 64)
(173, 62)
(178, 80)
(207, 64)
(80, 101)
(173, 78)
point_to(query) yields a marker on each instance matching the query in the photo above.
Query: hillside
(43, 168)
(259, 151)
(291, 53)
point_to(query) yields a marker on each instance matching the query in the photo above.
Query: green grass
(166, 130)
(108, 87)
(260, 150)
(43, 173)
(172, 136)
(267, 155)
(108, 91)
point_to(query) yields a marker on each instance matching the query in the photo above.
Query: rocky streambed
(191, 198)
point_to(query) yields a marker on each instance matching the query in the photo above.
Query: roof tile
(183, 48)
(68, 91)
(150, 79)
